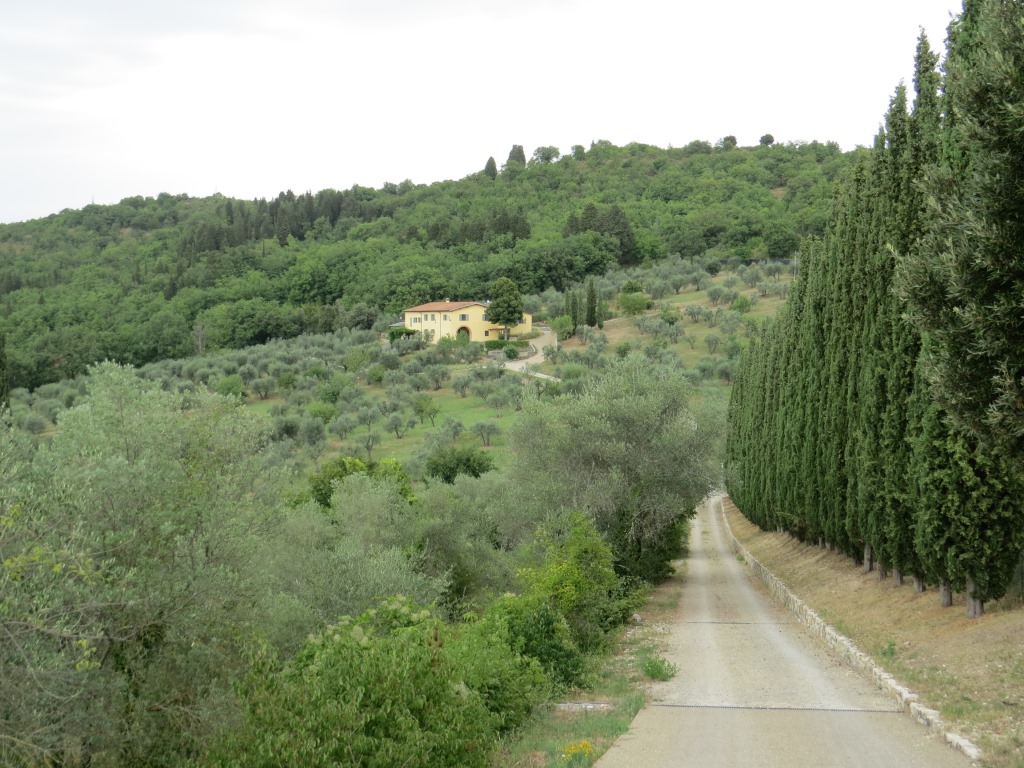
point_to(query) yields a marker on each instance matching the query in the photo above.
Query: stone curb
(849, 653)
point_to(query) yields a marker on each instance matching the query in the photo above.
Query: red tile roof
(443, 306)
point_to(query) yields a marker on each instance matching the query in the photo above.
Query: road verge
(845, 649)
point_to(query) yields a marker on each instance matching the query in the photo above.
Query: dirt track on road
(754, 689)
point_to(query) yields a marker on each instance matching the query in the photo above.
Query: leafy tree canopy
(153, 278)
(506, 307)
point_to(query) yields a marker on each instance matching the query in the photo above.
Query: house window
(485, 315)
(415, 319)
(444, 317)
(463, 317)
(432, 317)
(487, 333)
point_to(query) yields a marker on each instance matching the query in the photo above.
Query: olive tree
(631, 451)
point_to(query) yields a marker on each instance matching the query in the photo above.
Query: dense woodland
(881, 413)
(150, 279)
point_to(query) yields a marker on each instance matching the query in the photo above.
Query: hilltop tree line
(881, 412)
(156, 278)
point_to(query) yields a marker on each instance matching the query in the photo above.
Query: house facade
(438, 319)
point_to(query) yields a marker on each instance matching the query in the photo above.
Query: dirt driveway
(546, 338)
(754, 689)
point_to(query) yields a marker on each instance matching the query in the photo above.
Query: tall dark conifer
(966, 287)
(516, 155)
(884, 470)
(591, 314)
(5, 393)
(903, 346)
(577, 310)
(891, 168)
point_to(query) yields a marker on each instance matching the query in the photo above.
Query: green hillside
(157, 278)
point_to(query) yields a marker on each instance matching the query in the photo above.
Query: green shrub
(633, 303)
(394, 334)
(286, 426)
(321, 483)
(570, 371)
(311, 431)
(537, 630)
(510, 684)
(511, 353)
(563, 327)
(658, 668)
(286, 380)
(321, 410)
(379, 690)
(333, 390)
(578, 578)
(448, 462)
(49, 409)
(263, 387)
(230, 385)
(34, 423)
(742, 304)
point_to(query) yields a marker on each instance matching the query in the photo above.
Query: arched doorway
(463, 333)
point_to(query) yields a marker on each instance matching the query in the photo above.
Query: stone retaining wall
(847, 651)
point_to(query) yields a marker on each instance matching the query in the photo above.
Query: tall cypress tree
(967, 524)
(576, 310)
(516, 155)
(929, 486)
(591, 318)
(491, 168)
(811, 343)
(891, 169)
(965, 288)
(897, 498)
(5, 393)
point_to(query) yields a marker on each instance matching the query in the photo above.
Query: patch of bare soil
(972, 671)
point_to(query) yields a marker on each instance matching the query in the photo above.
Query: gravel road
(754, 689)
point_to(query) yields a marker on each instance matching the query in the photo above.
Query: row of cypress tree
(852, 420)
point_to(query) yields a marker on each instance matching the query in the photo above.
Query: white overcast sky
(105, 99)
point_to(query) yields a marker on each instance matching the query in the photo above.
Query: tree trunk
(919, 585)
(883, 572)
(897, 577)
(975, 607)
(869, 562)
(821, 542)
(945, 594)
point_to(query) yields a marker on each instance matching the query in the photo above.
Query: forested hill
(151, 278)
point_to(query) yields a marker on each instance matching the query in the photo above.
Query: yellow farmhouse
(438, 319)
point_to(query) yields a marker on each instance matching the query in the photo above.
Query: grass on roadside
(555, 737)
(971, 670)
